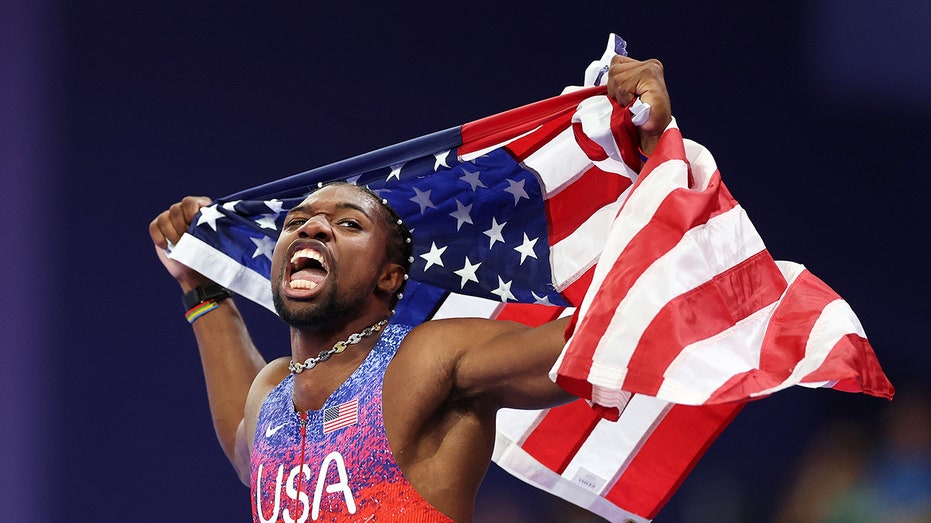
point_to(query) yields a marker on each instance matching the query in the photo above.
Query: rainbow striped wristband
(200, 309)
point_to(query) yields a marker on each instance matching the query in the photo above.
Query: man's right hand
(168, 227)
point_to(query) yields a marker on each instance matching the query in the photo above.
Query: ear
(392, 277)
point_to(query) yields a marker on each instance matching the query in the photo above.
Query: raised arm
(493, 363)
(230, 360)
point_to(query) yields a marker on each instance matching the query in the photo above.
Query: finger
(178, 222)
(192, 205)
(162, 230)
(172, 228)
(183, 213)
(623, 77)
(155, 232)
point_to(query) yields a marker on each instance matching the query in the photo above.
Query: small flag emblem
(341, 416)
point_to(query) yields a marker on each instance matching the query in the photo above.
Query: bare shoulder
(267, 379)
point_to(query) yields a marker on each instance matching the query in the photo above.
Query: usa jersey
(333, 464)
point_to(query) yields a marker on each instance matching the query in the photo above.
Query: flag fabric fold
(539, 212)
(687, 305)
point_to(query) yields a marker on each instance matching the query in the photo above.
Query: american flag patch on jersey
(341, 416)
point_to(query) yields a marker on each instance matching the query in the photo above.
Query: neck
(307, 342)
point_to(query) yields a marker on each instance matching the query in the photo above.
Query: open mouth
(308, 268)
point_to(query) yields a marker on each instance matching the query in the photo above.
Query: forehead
(341, 196)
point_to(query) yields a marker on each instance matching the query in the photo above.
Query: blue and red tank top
(333, 464)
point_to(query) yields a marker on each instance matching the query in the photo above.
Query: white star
(263, 246)
(423, 199)
(467, 272)
(517, 189)
(504, 290)
(526, 248)
(275, 205)
(231, 206)
(495, 232)
(472, 180)
(267, 221)
(440, 160)
(544, 300)
(462, 214)
(395, 172)
(354, 179)
(434, 256)
(210, 215)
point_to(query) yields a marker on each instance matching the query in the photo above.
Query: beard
(330, 311)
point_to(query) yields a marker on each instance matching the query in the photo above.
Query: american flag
(340, 416)
(525, 216)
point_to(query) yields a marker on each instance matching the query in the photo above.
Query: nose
(316, 227)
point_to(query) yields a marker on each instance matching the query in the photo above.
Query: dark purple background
(817, 113)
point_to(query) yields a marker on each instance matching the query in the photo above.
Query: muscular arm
(230, 360)
(501, 364)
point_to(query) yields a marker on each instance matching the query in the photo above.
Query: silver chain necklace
(340, 346)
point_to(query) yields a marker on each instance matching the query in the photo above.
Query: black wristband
(203, 293)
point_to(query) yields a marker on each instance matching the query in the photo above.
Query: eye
(294, 223)
(350, 223)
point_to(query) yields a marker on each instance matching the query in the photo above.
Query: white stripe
(517, 424)
(624, 437)
(509, 456)
(464, 306)
(203, 258)
(594, 115)
(558, 163)
(648, 196)
(575, 254)
(704, 252)
(836, 321)
(703, 367)
(617, 167)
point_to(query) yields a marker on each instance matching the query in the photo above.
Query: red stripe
(784, 346)
(575, 292)
(682, 210)
(530, 314)
(501, 127)
(785, 339)
(853, 364)
(626, 135)
(701, 313)
(573, 371)
(591, 148)
(788, 331)
(668, 455)
(560, 434)
(523, 147)
(567, 210)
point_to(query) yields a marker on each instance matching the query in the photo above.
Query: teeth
(303, 284)
(308, 253)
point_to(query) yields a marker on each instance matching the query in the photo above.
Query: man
(320, 434)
